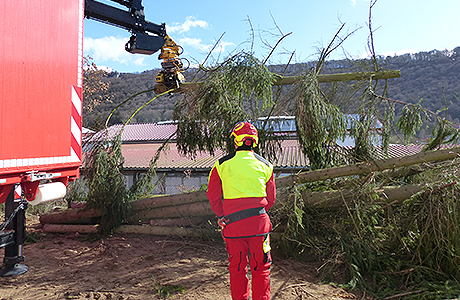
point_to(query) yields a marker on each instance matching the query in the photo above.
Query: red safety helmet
(244, 131)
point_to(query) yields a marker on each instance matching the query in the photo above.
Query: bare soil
(74, 266)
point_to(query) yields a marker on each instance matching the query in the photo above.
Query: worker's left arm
(270, 189)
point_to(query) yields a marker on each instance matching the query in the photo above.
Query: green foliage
(410, 120)
(413, 117)
(443, 133)
(34, 237)
(319, 123)
(107, 190)
(75, 192)
(106, 184)
(209, 113)
(166, 291)
(388, 119)
(238, 89)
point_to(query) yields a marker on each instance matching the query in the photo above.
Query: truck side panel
(40, 87)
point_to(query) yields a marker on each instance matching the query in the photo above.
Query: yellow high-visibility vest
(243, 174)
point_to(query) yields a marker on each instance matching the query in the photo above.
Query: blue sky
(400, 26)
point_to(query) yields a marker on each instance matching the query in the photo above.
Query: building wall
(172, 182)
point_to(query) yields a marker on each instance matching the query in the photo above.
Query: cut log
(287, 80)
(171, 206)
(65, 228)
(387, 194)
(71, 216)
(186, 213)
(196, 204)
(186, 221)
(202, 208)
(367, 167)
(168, 200)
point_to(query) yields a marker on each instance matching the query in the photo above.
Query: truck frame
(41, 97)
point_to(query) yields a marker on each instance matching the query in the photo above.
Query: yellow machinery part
(170, 49)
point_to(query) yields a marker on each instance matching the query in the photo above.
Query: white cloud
(195, 43)
(221, 46)
(110, 48)
(187, 25)
(198, 44)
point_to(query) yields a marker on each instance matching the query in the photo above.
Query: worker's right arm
(215, 192)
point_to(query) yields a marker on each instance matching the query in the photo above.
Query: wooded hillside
(432, 76)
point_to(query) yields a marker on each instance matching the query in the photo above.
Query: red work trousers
(256, 251)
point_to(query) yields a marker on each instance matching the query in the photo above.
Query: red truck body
(41, 79)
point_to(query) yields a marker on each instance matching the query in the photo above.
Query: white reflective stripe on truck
(11, 163)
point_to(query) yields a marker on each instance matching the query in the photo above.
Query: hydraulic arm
(132, 20)
(146, 37)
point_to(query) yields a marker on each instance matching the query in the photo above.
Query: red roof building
(177, 173)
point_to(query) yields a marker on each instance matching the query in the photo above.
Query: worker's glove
(221, 222)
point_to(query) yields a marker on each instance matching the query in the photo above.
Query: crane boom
(146, 38)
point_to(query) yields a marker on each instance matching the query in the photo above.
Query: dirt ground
(122, 267)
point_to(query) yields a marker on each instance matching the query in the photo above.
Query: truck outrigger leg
(12, 236)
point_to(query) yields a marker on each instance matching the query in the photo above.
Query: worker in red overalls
(241, 190)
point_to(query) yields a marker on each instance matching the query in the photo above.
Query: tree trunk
(71, 215)
(65, 228)
(196, 204)
(184, 221)
(387, 194)
(202, 208)
(191, 213)
(168, 200)
(371, 166)
(286, 80)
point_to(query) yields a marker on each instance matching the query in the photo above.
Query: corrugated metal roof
(396, 150)
(138, 156)
(140, 143)
(146, 132)
(290, 155)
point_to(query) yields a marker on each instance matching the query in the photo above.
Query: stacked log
(183, 213)
(179, 215)
(62, 228)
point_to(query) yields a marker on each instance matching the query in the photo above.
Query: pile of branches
(405, 249)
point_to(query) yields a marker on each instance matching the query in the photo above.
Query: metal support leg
(13, 252)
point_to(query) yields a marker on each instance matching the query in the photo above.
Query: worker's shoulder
(226, 157)
(260, 158)
(256, 156)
